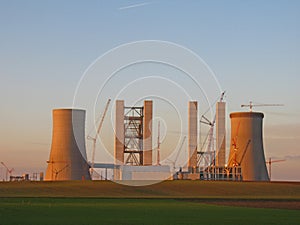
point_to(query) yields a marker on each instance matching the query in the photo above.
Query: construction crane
(178, 152)
(94, 139)
(210, 136)
(233, 159)
(251, 105)
(158, 145)
(270, 164)
(235, 147)
(8, 171)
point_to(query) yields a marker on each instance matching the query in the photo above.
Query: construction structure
(192, 138)
(133, 148)
(68, 160)
(8, 171)
(211, 153)
(133, 142)
(247, 149)
(94, 139)
(220, 134)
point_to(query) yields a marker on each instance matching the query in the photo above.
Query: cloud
(135, 5)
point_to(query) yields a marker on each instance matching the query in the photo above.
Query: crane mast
(94, 139)
(158, 144)
(177, 154)
(210, 136)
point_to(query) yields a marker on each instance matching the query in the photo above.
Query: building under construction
(246, 160)
(133, 144)
(133, 150)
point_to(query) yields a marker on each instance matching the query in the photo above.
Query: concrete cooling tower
(68, 155)
(247, 148)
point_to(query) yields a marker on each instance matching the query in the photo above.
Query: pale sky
(252, 47)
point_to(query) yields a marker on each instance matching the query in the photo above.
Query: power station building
(68, 160)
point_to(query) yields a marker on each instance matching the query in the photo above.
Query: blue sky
(45, 46)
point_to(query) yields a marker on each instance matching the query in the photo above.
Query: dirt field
(283, 195)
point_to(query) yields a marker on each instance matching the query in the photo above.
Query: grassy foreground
(169, 202)
(72, 211)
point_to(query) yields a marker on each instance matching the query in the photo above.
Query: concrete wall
(119, 137)
(67, 159)
(147, 132)
(192, 135)
(144, 172)
(119, 133)
(220, 133)
(247, 127)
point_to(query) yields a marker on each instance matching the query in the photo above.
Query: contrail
(135, 5)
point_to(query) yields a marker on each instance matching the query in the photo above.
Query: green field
(134, 211)
(170, 202)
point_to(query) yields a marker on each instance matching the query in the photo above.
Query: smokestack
(247, 145)
(67, 159)
(119, 133)
(220, 133)
(147, 134)
(192, 136)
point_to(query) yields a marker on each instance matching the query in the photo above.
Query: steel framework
(133, 123)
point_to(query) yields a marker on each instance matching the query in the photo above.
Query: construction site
(208, 159)
(137, 153)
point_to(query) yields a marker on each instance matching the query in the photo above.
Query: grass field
(134, 211)
(170, 202)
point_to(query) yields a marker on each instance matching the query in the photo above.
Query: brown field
(250, 194)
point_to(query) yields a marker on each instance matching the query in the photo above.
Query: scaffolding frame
(133, 143)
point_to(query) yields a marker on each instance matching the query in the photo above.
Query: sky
(49, 48)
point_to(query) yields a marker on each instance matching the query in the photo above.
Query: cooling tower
(247, 145)
(68, 155)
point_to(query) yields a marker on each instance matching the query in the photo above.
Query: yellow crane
(251, 105)
(94, 139)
